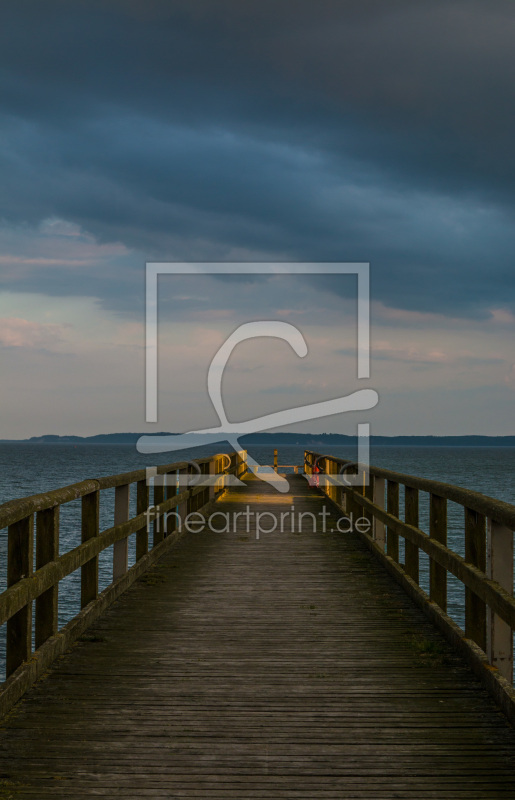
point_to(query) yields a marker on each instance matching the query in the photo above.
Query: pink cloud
(17, 332)
(410, 353)
(405, 316)
(502, 316)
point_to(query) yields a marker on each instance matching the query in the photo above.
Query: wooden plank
(290, 666)
(47, 550)
(20, 544)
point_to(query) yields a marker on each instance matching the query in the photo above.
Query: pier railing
(35, 568)
(486, 570)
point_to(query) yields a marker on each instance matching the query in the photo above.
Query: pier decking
(289, 666)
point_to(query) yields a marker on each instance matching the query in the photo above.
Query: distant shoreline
(292, 439)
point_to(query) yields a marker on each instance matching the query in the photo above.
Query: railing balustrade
(486, 570)
(33, 523)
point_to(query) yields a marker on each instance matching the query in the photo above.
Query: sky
(327, 131)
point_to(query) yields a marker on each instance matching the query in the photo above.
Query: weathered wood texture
(286, 667)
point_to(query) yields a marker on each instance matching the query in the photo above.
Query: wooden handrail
(481, 503)
(488, 530)
(488, 590)
(42, 584)
(15, 510)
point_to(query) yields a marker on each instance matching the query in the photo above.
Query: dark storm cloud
(367, 131)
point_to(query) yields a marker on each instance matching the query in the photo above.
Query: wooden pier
(242, 660)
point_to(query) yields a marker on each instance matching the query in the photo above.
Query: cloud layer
(365, 131)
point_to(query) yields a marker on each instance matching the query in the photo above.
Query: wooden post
(142, 503)
(343, 498)
(307, 468)
(368, 492)
(47, 549)
(349, 504)
(379, 533)
(170, 491)
(411, 552)
(475, 553)
(121, 547)
(182, 508)
(242, 463)
(275, 460)
(159, 497)
(339, 491)
(90, 526)
(438, 531)
(343, 490)
(212, 473)
(500, 569)
(339, 494)
(352, 509)
(392, 504)
(220, 480)
(330, 469)
(20, 549)
(191, 500)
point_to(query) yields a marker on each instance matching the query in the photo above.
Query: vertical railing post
(322, 466)
(343, 491)
(392, 505)
(219, 478)
(121, 547)
(159, 498)
(368, 492)
(190, 501)
(411, 552)
(379, 531)
(212, 475)
(90, 526)
(243, 463)
(20, 548)
(204, 494)
(47, 549)
(339, 494)
(142, 503)
(438, 531)
(275, 460)
(352, 509)
(500, 569)
(170, 489)
(475, 553)
(330, 468)
(182, 508)
(307, 466)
